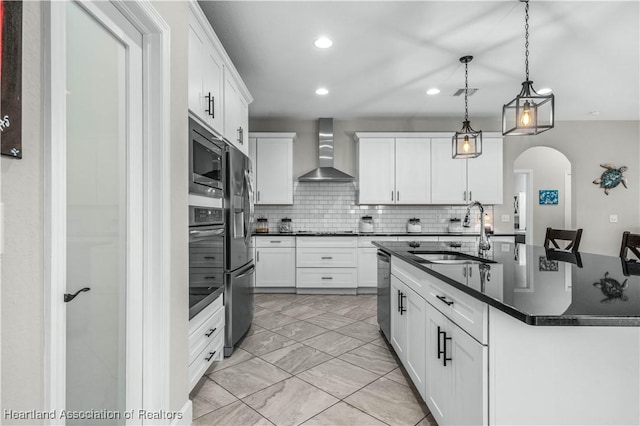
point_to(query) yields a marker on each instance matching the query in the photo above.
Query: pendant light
(467, 143)
(529, 113)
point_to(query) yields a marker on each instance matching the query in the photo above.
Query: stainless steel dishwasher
(384, 293)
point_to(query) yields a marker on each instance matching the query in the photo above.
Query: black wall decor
(11, 78)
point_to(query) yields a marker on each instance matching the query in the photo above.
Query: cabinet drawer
(366, 242)
(465, 311)
(327, 241)
(202, 361)
(206, 277)
(206, 333)
(275, 241)
(318, 257)
(205, 258)
(410, 275)
(205, 315)
(326, 278)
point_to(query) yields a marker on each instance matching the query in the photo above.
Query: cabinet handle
(398, 196)
(470, 195)
(211, 331)
(399, 302)
(465, 195)
(326, 257)
(210, 257)
(275, 242)
(402, 308)
(444, 351)
(439, 350)
(444, 299)
(258, 256)
(258, 195)
(211, 355)
(327, 278)
(392, 196)
(211, 105)
(239, 130)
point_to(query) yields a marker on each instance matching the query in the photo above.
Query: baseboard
(351, 291)
(187, 415)
(367, 290)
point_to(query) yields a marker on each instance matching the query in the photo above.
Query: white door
(368, 267)
(448, 175)
(413, 171)
(274, 175)
(416, 339)
(276, 267)
(212, 86)
(438, 383)
(196, 69)
(103, 211)
(376, 171)
(470, 389)
(398, 318)
(484, 173)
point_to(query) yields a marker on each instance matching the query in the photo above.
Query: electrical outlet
(505, 248)
(613, 218)
(506, 218)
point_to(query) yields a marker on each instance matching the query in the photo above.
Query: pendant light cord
(526, 37)
(466, 91)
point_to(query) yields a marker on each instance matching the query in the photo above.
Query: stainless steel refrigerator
(239, 265)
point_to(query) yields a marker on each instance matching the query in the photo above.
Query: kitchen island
(519, 336)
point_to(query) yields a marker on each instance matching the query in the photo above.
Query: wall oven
(206, 256)
(206, 161)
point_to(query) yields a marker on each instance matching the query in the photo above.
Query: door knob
(68, 297)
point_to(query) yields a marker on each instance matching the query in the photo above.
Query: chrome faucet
(484, 243)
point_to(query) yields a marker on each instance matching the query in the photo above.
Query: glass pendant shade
(467, 143)
(529, 113)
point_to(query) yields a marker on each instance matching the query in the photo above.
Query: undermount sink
(450, 258)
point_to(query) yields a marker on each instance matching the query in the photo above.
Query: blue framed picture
(548, 196)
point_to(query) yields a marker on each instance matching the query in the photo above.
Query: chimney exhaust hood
(325, 172)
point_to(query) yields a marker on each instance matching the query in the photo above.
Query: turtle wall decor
(612, 289)
(611, 177)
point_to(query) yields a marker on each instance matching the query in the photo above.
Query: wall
(22, 261)
(549, 167)
(22, 194)
(585, 143)
(332, 207)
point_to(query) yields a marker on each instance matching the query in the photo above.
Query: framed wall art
(11, 78)
(548, 197)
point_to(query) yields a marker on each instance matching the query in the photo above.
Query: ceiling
(386, 54)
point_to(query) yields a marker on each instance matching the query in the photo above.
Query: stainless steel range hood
(326, 172)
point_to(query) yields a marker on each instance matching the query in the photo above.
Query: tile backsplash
(332, 207)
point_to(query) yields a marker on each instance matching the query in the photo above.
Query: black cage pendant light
(467, 143)
(529, 113)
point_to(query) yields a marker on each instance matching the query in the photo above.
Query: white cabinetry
(456, 181)
(217, 95)
(324, 263)
(393, 170)
(275, 262)
(206, 72)
(206, 340)
(274, 167)
(368, 261)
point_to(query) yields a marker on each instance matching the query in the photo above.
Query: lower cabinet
(275, 262)
(206, 340)
(448, 366)
(326, 263)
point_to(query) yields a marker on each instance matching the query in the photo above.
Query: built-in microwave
(206, 161)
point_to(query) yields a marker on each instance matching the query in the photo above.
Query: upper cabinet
(218, 97)
(272, 157)
(393, 170)
(456, 181)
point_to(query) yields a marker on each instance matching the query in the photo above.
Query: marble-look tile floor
(310, 360)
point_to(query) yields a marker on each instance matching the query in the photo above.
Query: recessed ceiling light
(322, 91)
(433, 91)
(545, 91)
(323, 43)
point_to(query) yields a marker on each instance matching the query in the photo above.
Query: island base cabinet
(416, 339)
(563, 374)
(456, 371)
(398, 322)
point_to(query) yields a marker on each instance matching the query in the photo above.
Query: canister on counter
(262, 225)
(285, 225)
(414, 225)
(366, 224)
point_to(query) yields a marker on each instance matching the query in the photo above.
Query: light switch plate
(506, 218)
(613, 218)
(505, 247)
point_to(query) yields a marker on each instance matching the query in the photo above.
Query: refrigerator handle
(250, 271)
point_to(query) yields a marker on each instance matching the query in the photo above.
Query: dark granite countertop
(373, 234)
(538, 287)
(201, 297)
